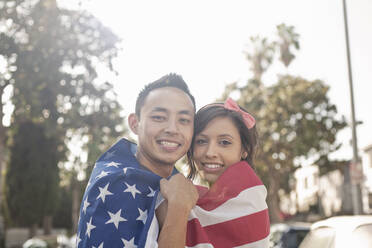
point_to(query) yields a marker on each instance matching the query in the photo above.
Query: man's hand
(179, 192)
(181, 196)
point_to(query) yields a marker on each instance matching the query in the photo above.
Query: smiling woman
(224, 135)
(216, 148)
(233, 211)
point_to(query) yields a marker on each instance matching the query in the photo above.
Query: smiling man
(117, 209)
(164, 126)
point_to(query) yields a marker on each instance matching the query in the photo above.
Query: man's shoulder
(123, 148)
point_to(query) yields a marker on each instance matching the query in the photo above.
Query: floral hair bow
(249, 120)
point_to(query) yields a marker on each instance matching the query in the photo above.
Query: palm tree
(261, 56)
(287, 38)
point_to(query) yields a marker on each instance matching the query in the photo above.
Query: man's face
(165, 129)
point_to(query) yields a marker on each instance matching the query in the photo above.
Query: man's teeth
(212, 166)
(169, 144)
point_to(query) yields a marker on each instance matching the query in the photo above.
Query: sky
(204, 41)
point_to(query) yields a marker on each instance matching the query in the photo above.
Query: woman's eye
(200, 141)
(225, 142)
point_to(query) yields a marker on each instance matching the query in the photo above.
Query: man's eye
(185, 121)
(158, 118)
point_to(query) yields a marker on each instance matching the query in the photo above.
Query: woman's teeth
(212, 166)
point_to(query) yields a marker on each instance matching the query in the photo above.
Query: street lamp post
(356, 195)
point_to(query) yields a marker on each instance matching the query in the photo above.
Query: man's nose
(171, 127)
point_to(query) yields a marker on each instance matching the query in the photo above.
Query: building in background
(314, 197)
(367, 171)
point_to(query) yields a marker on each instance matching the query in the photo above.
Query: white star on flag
(125, 170)
(142, 215)
(109, 155)
(88, 184)
(115, 218)
(132, 189)
(90, 227)
(129, 244)
(152, 192)
(100, 246)
(78, 239)
(113, 164)
(103, 192)
(86, 204)
(102, 174)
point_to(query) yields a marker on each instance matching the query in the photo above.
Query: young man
(118, 206)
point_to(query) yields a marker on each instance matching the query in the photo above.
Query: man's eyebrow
(164, 110)
(159, 109)
(185, 112)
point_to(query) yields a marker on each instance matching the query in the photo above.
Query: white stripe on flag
(201, 246)
(241, 205)
(152, 235)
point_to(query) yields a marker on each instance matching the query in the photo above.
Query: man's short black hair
(170, 80)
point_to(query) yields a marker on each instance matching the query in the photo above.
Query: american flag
(232, 213)
(117, 208)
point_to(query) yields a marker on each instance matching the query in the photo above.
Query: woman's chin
(209, 178)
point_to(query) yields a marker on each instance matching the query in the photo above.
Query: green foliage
(52, 55)
(32, 177)
(261, 55)
(262, 52)
(295, 120)
(287, 38)
(62, 215)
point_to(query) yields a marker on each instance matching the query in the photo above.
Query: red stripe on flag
(240, 231)
(238, 177)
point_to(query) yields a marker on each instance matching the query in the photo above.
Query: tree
(31, 176)
(296, 121)
(287, 39)
(261, 56)
(54, 54)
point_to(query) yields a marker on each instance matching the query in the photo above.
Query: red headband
(249, 120)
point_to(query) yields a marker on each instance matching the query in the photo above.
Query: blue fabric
(119, 196)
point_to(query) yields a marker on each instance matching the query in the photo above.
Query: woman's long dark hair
(207, 114)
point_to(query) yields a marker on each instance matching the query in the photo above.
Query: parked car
(35, 243)
(340, 232)
(49, 241)
(288, 235)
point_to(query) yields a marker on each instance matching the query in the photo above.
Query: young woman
(232, 212)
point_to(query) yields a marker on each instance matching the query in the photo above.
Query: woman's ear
(244, 155)
(133, 122)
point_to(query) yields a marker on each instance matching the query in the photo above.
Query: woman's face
(216, 148)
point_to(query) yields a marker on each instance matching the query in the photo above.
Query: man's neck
(160, 169)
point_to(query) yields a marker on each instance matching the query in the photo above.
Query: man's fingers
(163, 186)
(163, 181)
